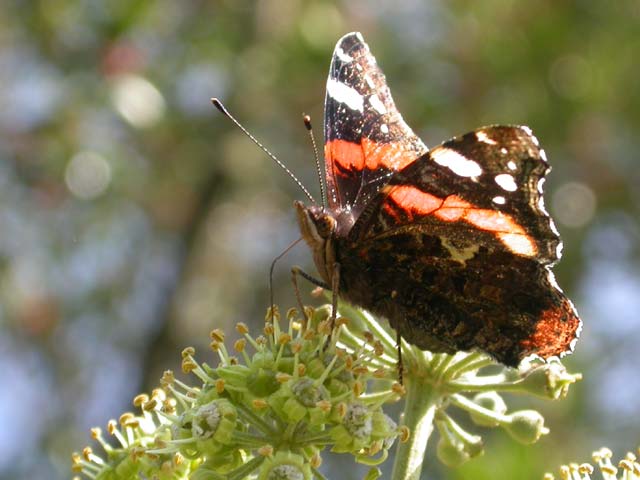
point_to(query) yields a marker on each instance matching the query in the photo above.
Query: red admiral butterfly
(452, 245)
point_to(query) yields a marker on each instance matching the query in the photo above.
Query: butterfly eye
(325, 225)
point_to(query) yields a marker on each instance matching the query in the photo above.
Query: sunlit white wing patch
(455, 162)
(344, 94)
(506, 182)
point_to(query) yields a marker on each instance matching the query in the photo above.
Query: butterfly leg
(400, 365)
(335, 285)
(273, 264)
(295, 271)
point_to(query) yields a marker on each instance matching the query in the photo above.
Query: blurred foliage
(134, 217)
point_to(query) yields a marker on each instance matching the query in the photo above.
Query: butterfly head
(318, 229)
(316, 224)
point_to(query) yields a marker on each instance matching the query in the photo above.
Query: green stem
(243, 471)
(420, 406)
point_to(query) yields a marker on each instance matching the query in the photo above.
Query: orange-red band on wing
(453, 208)
(368, 154)
(555, 329)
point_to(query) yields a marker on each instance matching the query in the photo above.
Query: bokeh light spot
(574, 204)
(138, 101)
(87, 175)
(196, 85)
(321, 25)
(571, 77)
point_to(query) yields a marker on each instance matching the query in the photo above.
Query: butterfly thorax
(318, 229)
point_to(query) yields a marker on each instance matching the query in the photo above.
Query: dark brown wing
(457, 249)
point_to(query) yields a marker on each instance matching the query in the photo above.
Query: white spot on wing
(552, 280)
(484, 138)
(499, 200)
(504, 151)
(543, 155)
(343, 94)
(384, 128)
(512, 165)
(458, 164)
(527, 130)
(377, 104)
(541, 206)
(572, 343)
(506, 182)
(343, 56)
(369, 80)
(534, 139)
(540, 185)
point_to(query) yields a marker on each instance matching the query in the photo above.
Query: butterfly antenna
(218, 104)
(307, 123)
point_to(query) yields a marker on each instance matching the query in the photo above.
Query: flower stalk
(421, 404)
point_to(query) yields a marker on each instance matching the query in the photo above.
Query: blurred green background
(134, 217)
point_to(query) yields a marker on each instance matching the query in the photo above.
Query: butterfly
(452, 245)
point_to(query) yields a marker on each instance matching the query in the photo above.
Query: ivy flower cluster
(276, 402)
(267, 410)
(628, 468)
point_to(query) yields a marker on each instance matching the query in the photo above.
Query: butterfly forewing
(489, 180)
(366, 139)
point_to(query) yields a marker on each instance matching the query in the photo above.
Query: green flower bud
(223, 461)
(491, 401)
(358, 421)
(263, 359)
(127, 467)
(550, 380)
(338, 387)
(297, 399)
(373, 474)
(451, 452)
(355, 432)
(207, 395)
(307, 393)
(525, 426)
(342, 440)
(182, 428)
(318, 415)
(285, 466)
(262, 382)
(384, 428)
(315, 367)
(473, 445)
(285, 364)
(213, 424)
(293, 410)
(320, 314)
(456, 445)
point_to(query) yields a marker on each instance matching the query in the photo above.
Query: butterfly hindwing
(444, 292)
